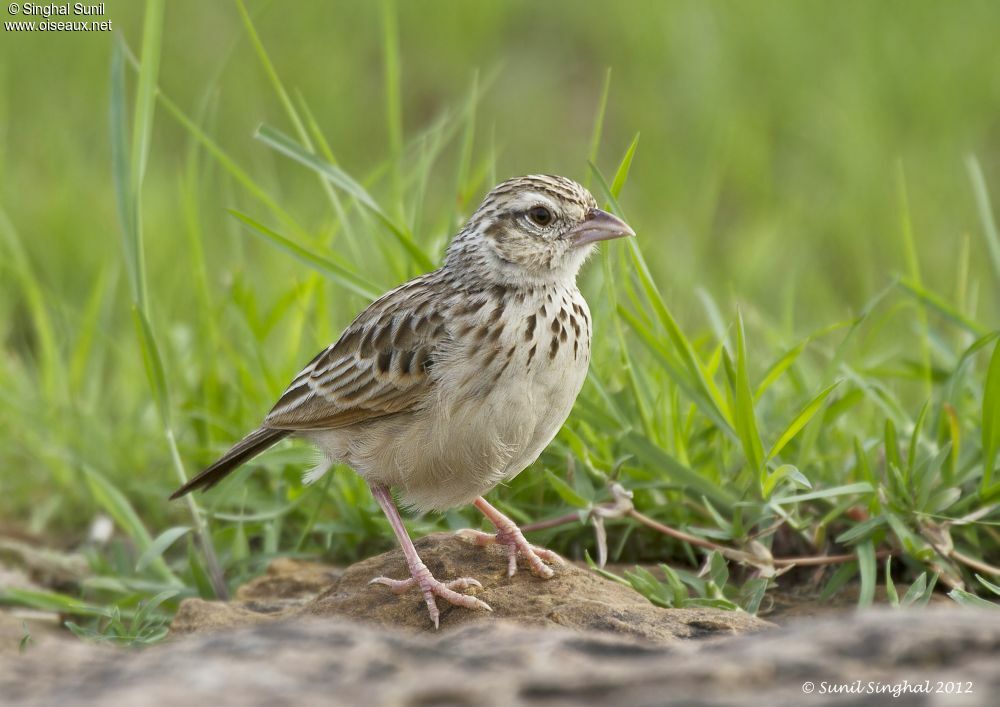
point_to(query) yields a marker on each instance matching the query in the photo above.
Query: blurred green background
(771, 132)
(793, 159)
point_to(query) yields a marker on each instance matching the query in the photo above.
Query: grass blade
(15, 259)
(160, 545)
(340, 179)
(565, 491)
(120, 171)
(869, 573)
(656, 458)
(964, 598)
(778, 368)
(624, 167)
(50, 601)
(801, 420)
(272, 74)
(117, 506)
(153, 363)
(746, 419)
(846, 489)
(335, 272)
(142, 120)
(595, 137)
(940, 305)
(985, 213)
(393, 100)
(991, 423)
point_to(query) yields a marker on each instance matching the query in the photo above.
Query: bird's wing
(380, 365)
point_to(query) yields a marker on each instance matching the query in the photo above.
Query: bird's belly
(550, 399)
(493, 416)
(443, 459)
(490, 439)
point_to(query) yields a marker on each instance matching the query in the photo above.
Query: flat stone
(22, 629)
(336, 661)
(289, 579)
(575, 598)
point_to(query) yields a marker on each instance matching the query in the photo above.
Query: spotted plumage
(458, 379)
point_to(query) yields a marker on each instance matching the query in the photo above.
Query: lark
(457, 380)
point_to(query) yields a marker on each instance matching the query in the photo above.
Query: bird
(457, 380)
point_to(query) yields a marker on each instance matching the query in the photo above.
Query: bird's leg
(420, 576)
(511, 537)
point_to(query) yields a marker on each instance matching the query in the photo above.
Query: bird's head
(537, 229)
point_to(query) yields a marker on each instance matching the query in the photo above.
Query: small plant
(22, 646)
(143, 627)
(679, 589)
(968, 599)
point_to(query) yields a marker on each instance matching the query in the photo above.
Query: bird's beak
(598, 226)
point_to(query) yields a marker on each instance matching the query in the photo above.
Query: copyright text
(81, 17)
(896, 689)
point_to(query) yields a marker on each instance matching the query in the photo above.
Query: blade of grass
(330, 269)
(142, 128)
(690, 360)
(565, 491)
(339, 178)
(611, 293)
(991, 423)
(746, 418)
(913, 267)
(50, 365)
(393, 102)
(50, 601)
(859, 487)
(778, 368)
(465, 155)
(117, 506)
(801, 420)
(985, 212)
(940, 305)
(659, 460)
(272, 74)
(132, 230)
(121, 171)
(286, 103)
(869, 573)
(142, 120)
(621, 174)
(911, 457)
(597, 134)
(160, 545)
(153, 364)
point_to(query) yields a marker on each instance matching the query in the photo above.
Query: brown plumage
(457, 380)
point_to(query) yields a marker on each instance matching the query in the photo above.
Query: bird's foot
(430, 587)
(511, 537)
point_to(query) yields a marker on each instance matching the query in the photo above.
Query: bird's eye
(540, 215)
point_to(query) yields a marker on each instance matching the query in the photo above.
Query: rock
(44, 565)
(575, 598)
(335, 661)
(200, 615)
(24, 629)
(288, 579)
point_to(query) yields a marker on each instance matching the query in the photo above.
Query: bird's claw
(431, 588)
(516, 544)
(401, 586)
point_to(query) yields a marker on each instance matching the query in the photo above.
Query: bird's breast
(503, 386)
(516, 371)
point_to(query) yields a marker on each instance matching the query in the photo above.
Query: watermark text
(895, 689)
(57, 17)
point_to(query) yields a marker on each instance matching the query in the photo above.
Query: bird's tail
(240, 453)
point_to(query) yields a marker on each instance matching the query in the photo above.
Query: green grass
(797, 358)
